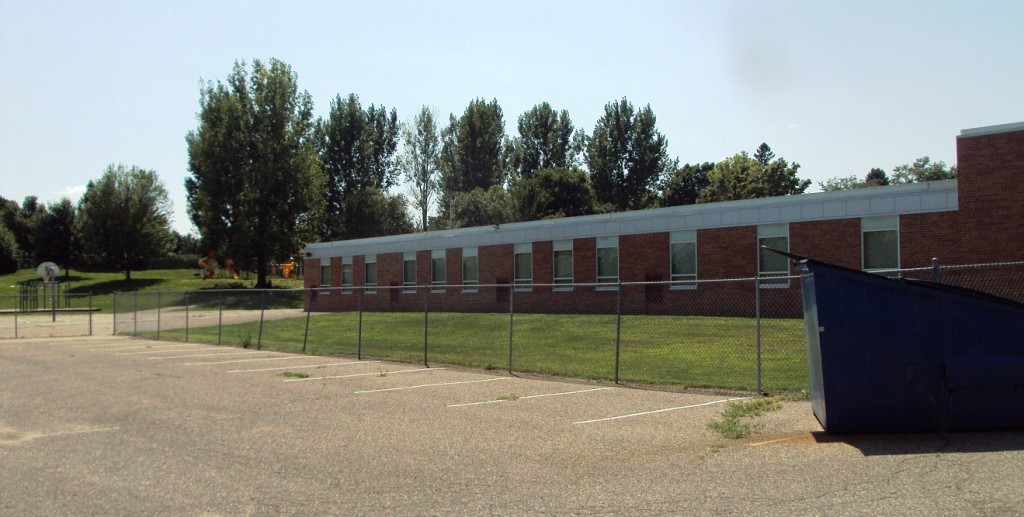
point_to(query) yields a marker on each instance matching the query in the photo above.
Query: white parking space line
(432, 385)
(204, 355)
(246, 360)
(378, 374)
(303, 366)
(141, 347)
(631, 415)
(171, 351)
(530, 397)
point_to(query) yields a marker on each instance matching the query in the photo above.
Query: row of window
(879, 246)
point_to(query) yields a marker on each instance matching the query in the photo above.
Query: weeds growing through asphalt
(731, 426)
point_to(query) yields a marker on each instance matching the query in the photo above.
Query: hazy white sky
(838, 87)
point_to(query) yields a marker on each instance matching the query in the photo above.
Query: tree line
(267, 176)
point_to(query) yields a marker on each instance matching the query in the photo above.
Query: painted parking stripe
(245, 360)
(631, 415)
(303, 366)
(204, 355)
(530, 397)
(147, 347)
(432, 385)
(360, 375)
(171, 350)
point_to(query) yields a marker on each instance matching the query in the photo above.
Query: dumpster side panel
(902, 357)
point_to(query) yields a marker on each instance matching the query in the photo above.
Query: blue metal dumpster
(894, 356)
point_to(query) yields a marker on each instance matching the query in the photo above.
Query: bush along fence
(738, 334)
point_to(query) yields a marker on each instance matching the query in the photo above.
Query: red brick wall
(835, 241)
(991, 196)
(496, 263)
(584, 258)
(727, 252)
(644, 258)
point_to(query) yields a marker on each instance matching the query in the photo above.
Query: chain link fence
(63, 315)
(721, 334)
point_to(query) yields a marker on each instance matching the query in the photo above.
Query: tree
(8, 251)
(744, 177)
(874, 178)
(480, 207)
(683, 187)
(257, 186)
(547, 140)
(923, 169)
(551, 193)
(627, 157)
(357, 150)
(377, 214)
(472, 151)
(17, 219)
(55, 234)
(124, 218)
(420, 161)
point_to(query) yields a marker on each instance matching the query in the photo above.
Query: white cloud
(74, 193)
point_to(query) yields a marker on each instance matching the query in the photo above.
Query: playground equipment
(288, 270)
(208, 266)
(46, 294)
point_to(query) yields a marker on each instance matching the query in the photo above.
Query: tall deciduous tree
(923, 169)
(744, 177)
(124, 218)
(8, 251)
(547, 140)
(420, 161)
(683, 187)
(472, 152)
(551, 193)
(256, 188)
(55, 234)
(627, 157)
(358, 152)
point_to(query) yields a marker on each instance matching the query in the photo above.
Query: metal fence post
(936, 271)
(220, 318)
(186, 316)
(90, 313)
(757, 324)
(511, 313)
(305, 335)
(263, 307)
(426, 322)
(359, 328)
(135, 315)
(158, 315)
(115, 312)
(618, 328)
(16, 309)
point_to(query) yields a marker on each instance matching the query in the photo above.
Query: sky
(838, 87)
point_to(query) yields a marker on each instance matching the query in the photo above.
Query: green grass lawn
(666, 350)
(102, 285)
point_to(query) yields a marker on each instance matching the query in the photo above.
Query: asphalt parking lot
(111, 425)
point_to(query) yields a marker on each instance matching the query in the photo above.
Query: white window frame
(562, 283)
(470, 286)
(604, 243)
(368, 287)
(765, 278)
(408, 286)
(438, 284)
(325, 280)
(884, 223)
(346, 268)
(522, 248)
(677, 279)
